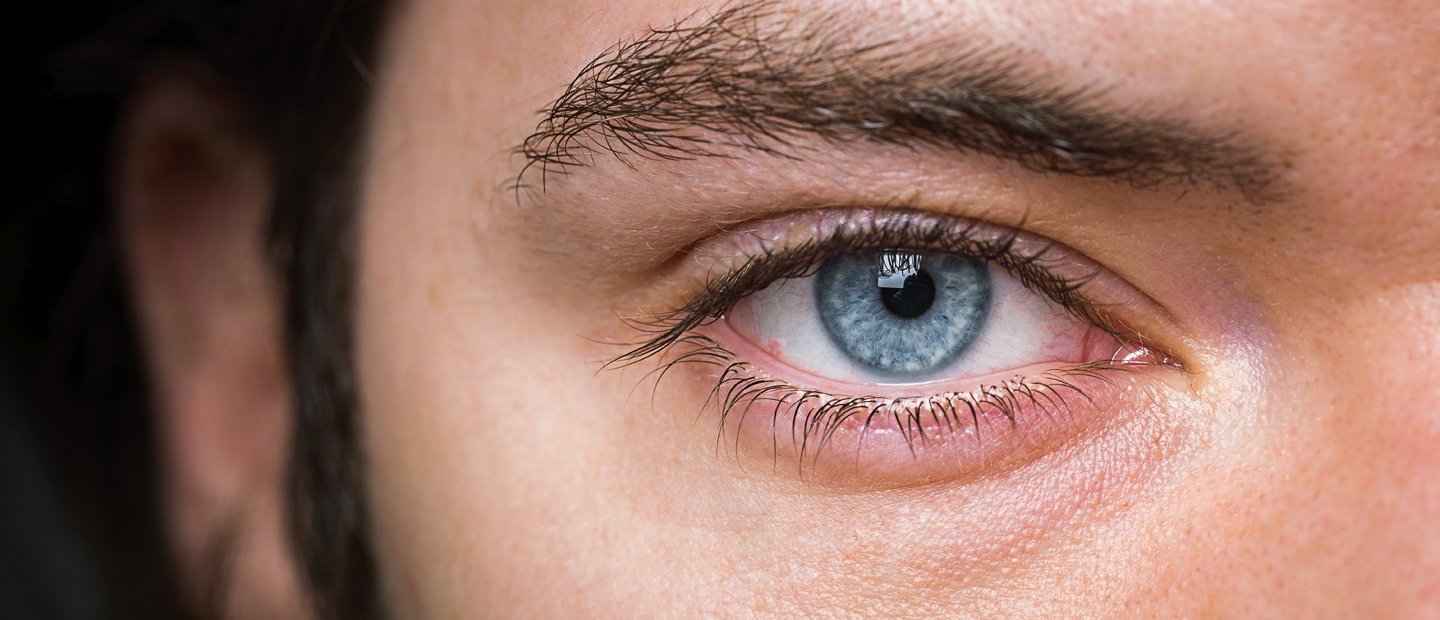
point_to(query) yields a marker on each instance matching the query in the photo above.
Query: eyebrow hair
(752, 78)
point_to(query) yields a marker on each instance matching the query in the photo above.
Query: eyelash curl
(815, 416)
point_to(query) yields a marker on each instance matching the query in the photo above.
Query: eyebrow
(752, 78)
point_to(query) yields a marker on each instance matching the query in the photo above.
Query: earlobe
(192, 195)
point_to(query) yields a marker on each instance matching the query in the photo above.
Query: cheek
(505, 476)
(1374, 497)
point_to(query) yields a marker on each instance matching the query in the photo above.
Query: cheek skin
(1341, 500)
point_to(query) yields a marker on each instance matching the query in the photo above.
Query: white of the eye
(1023, 328)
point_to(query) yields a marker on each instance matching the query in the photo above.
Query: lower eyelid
(893, 441)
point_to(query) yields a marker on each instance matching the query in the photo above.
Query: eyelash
(672, 334)
(740, 386)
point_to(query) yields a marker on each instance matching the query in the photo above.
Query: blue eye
(905, 317)
(903, 314)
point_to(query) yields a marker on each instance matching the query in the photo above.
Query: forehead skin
(510, 479)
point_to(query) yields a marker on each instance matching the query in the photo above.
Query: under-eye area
(900, 347)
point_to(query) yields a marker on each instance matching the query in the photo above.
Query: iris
(904, 314)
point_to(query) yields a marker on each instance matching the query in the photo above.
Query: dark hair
(304, 70)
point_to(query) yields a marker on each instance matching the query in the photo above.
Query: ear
(193, 190)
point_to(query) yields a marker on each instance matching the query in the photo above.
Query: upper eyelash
(773, 265)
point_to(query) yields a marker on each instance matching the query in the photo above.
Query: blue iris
(903, 313)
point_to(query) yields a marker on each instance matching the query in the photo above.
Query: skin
(1289, 470)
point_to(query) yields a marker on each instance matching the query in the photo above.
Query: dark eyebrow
(754, 78)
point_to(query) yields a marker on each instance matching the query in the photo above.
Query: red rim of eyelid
(1100, 347)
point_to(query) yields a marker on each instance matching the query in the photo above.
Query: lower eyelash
(814, 416)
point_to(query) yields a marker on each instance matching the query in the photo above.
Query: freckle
(432, 294)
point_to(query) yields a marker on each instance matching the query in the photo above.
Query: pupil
(913, 298)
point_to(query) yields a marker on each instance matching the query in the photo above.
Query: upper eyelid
(906, 228)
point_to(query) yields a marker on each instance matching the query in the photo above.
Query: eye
(904, 346)
(898, 317)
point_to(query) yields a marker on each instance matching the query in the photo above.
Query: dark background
(80, 534)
